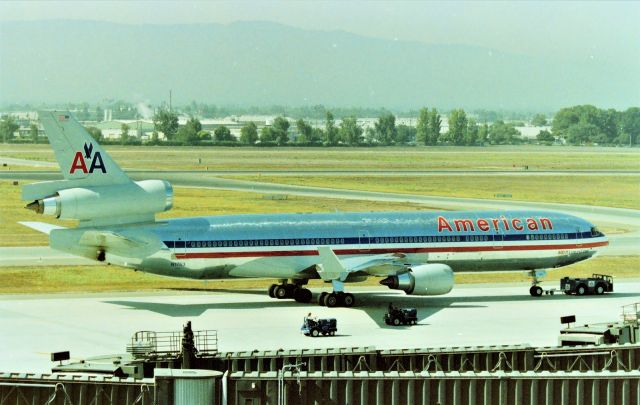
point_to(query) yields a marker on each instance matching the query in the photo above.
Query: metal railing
(167, 344)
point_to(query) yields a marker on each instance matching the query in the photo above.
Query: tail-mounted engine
(134, 199)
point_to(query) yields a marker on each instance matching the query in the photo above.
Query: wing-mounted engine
(427, 279)
(110, 204)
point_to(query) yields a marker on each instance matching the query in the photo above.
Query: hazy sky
(578, 30)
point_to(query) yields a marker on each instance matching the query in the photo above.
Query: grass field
(608, 191)
(388, 158)
(24, 280)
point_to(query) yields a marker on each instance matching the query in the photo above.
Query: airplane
(415, 252)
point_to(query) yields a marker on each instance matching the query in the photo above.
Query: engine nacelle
(427, 279)
(121, 200)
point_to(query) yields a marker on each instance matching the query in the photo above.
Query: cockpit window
(595, 231)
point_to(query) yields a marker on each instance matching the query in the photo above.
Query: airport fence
(468, 388)
(520, 358)
(63, 389)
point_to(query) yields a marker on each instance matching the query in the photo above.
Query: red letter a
(78, 163)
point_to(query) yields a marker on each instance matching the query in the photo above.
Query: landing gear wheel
(302, 295)
(331, 300)
(348, 300)
(581, 290)
(321, 299)
(600, 289)
(535, 291)
(272, 290)
(280, 292)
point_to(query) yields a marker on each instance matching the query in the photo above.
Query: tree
(188, 133)
(582, 133)
(422, 127)
(457, 127)
(385, 129)
(350, 131)
(33, 132)
(305, 131)
(435, 126)
(406, 134)
(607, 122)
(8, 126)
(222, 134)
(280, 128)
(471, 134)
(95, 133)
(483, 133)
(501, 133)
(267, 135)
(539, 120)
(249, 134)
(545, 136)
(166, 122)
(330, 130)
(124, 133)
(630, 126)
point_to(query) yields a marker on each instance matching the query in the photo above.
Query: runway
(471, 315)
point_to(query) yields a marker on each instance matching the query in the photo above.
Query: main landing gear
(286, 290)
(336, 299)
(297, 291)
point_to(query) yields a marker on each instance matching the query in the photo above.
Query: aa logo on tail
(80, 161)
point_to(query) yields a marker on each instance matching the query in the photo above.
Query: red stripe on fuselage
(491, 248)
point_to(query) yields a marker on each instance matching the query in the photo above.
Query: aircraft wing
(333, 268)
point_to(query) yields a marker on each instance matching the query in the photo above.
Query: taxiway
(471, 315)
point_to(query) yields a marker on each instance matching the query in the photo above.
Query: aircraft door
(498, 240)
(364, 239)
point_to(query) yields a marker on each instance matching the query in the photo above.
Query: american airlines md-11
(416, 252)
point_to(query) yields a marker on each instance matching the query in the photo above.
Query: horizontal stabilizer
(41, 226)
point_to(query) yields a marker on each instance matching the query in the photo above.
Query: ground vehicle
(401, 316)
(626, 331)
(597, 284)
(313, 327)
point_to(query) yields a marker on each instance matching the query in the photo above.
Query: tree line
(577, 125)
(384, 132)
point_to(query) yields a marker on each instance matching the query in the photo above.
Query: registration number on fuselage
(178, 264)
(571, 252)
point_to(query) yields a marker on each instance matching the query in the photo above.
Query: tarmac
(33, 326)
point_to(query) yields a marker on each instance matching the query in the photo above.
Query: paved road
(146, 174)
(25, 162)
(34, 326)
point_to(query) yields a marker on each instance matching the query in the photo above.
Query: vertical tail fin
(79, 155)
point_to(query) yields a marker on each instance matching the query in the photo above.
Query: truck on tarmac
(597, 284)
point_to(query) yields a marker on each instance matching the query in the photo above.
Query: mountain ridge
(265, 63)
